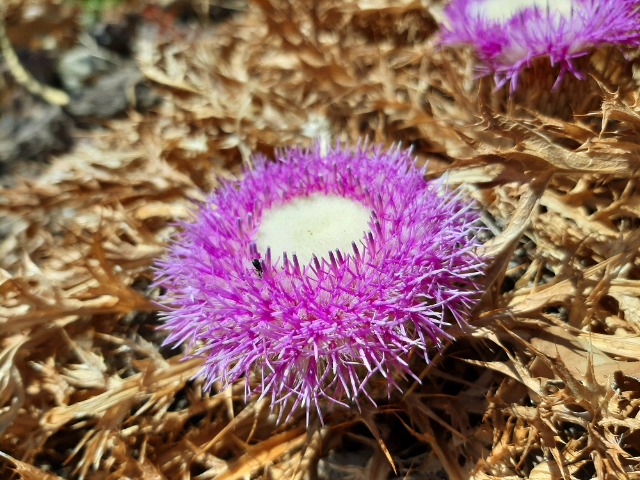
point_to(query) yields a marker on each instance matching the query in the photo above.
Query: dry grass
(547, 385)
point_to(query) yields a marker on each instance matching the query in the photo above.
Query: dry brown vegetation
(545, 386)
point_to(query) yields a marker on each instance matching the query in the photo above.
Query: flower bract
(319, 271)
(508, 35)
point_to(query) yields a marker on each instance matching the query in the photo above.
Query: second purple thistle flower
(507, 35)
(319, 271)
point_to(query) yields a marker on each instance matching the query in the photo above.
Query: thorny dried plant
(547, 384)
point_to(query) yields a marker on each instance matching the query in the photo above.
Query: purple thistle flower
(508, 35)
(318, 271)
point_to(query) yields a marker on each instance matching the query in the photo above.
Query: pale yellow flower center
(316, 224)
(501, 10)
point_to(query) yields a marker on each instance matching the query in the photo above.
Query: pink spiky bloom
(508, 35)
(321, 329)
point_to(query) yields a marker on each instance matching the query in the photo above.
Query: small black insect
(258, 266)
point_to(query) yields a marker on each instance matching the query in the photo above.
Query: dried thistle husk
(544, 384)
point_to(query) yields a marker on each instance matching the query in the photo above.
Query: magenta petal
(506, 46)
(320, 331)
